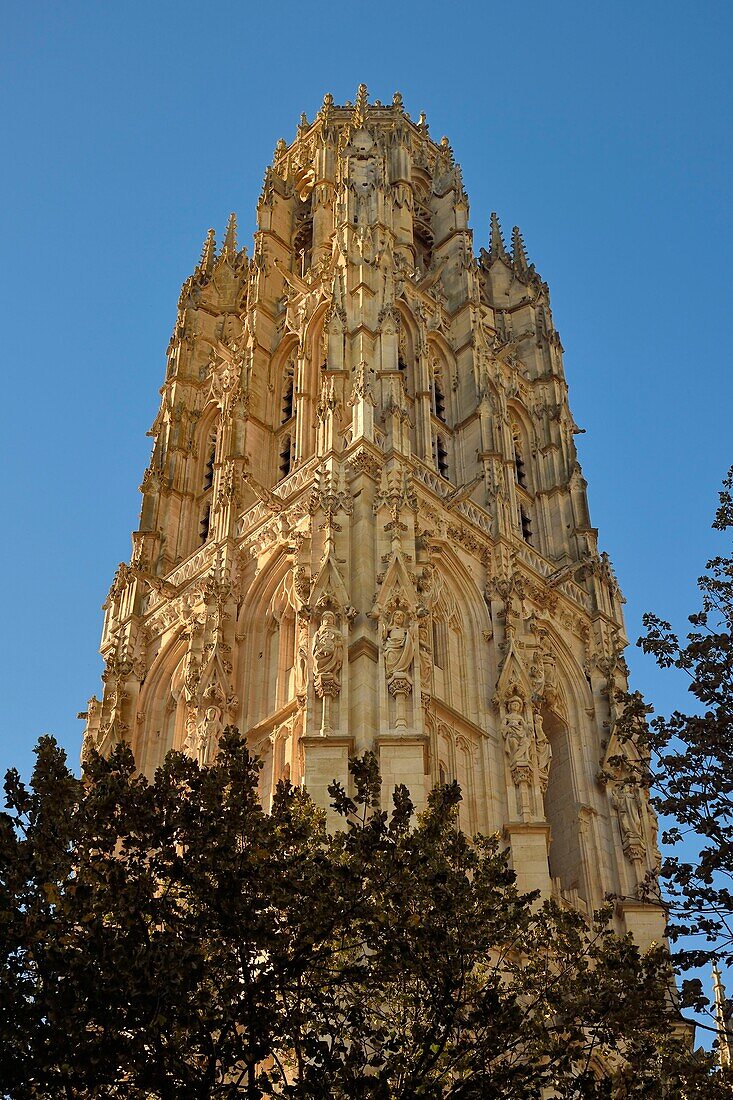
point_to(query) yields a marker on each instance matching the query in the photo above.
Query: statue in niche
(544, 752)
(549, 669)
(301, 660)
(518, 740)
(627, 803)
(537, 677)
(399, 650)
(328, 656)
(208, 736)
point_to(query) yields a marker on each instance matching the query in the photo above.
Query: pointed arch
(162, 702)
(459, 618)
(571, 780)
(268, 643)
(409, 341)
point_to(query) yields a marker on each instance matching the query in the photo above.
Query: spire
(208, 254)
(361, 106)
(497, 248)
(725, 1038)
(519, 256)
(229, 247)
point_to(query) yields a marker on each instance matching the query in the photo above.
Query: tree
(170, 938)
(690, 758)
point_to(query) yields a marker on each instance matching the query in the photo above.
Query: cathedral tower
(364, 524)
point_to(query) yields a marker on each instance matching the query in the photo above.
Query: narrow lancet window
(209, 467)
(526, 524)
(520, 473)
(205, 524)
(287, 405)
(440, 456)
(286, 456)
(438, 399)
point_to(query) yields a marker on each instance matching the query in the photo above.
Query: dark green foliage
(170, 939)
(691, 764)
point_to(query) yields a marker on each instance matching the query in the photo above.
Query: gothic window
(287, 399)
(286, 658)
(423, 240)
(208, 477)
(438, 398)
(565, 851)
(205, 523)
(287, 417)
(286, 456)
(440, 643)
(440, 456)
(286, 411)
(525, 522)
(271, 678)
(520, 473)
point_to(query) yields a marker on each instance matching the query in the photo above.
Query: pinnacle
(229, 247)
(519, 255)
(497, 247)
(208, 253)
(361, 106)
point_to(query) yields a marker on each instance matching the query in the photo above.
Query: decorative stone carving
(207, 736)
(543, 750)
(626, 798)
(399, 651)
(518, 741)
(302, 659)
(328, 650)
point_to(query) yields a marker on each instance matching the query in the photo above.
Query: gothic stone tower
(364, 524)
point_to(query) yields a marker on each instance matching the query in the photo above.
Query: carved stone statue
(328, 656)
(208, 736)
(627, 803)
(518, 741)
(549, 669)
(544, 752)
(301, 660)
(399, 651)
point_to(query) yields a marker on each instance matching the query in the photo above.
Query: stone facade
(364, 524)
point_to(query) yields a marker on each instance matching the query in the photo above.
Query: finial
(725, 1038)
(208, 253)
(422, 119)
(280, 148)
(229, 247)
(303, 124)
(496, 241)
(397, 100)
(326, 106)
(519, 256)
(360, 107)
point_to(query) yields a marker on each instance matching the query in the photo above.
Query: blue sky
(603, 130)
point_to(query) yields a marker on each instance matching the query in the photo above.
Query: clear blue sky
(603, 130)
